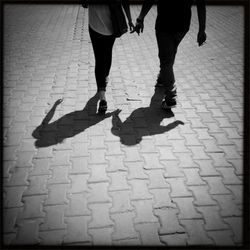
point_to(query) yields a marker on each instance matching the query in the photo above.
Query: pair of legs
(102, 46)
(167, 48)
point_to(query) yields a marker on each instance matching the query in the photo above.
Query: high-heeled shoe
(102, 106)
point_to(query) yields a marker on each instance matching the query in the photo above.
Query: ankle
(102, 95)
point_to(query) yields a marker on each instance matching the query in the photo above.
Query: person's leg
(102, 46)
(167, 48)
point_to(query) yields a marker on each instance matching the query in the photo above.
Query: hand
(117, 112)
(139, 26)
(131, 26)
(201, 38)
(59, 101)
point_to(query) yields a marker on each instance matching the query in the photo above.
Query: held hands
(131, 26)
(201, 38)
(139, 26)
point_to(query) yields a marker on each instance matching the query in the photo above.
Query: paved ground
(143, 177)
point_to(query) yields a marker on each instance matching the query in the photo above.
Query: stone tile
(149, 234)
(124, 226)
(121, 201)
(169, 222)
(187, 208)
(144, 211)
(100, 215)
(196, 233)
(77, 230)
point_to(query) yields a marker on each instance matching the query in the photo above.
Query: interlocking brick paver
(229, 176)
(37, 185)
(213, 220)
(193, 177)
(99, 193)
(33, 207)
(18, 177)
(174, 239)
(57, 194)
(79, 183)
(52, 239)
(79, 165)
(149, 234)
(237, 191)
(196, 233)
(199, 153)
(191, 140)
(136, 171)
(132, 154)
(227, 205)
(221, 238)
(162, 198)
(168, 221)
(207, 168)
(59, 175)
(54, 218)
(118, 181)
(100, 216)
(101, 236)
(61, 158)
(44, 153)
(156, 179)
(96, 142)
(148, 146)
(123, 227)
(12, 196)
(98, 174)
(236, 224)
(41, 167)
(115, 163)
(77, 205)
(9, 219)
(186, 160)
(140, 189)
(28, 232)
(187, 208)
(202, 196)
(121, 201)
(144, 211)
(231, 152)
(13, 139)
(113, 148)
(77, 229)
(24, 159)
(178, 187)
(97, 156)
(216, 185)
(166, 153)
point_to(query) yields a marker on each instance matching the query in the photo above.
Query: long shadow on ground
(67, 126)
(143, 122)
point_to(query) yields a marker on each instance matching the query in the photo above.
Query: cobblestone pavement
(152, 178)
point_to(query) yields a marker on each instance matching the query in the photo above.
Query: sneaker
(168, 104)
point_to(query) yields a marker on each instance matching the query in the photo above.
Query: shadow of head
(135, 137)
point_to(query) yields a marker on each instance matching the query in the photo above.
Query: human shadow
(143, 122)
(48, 134)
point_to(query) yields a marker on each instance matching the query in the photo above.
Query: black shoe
(102, 106)
(168, 104)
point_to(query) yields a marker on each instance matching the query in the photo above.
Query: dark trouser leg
(102, 46)
(167, 48)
